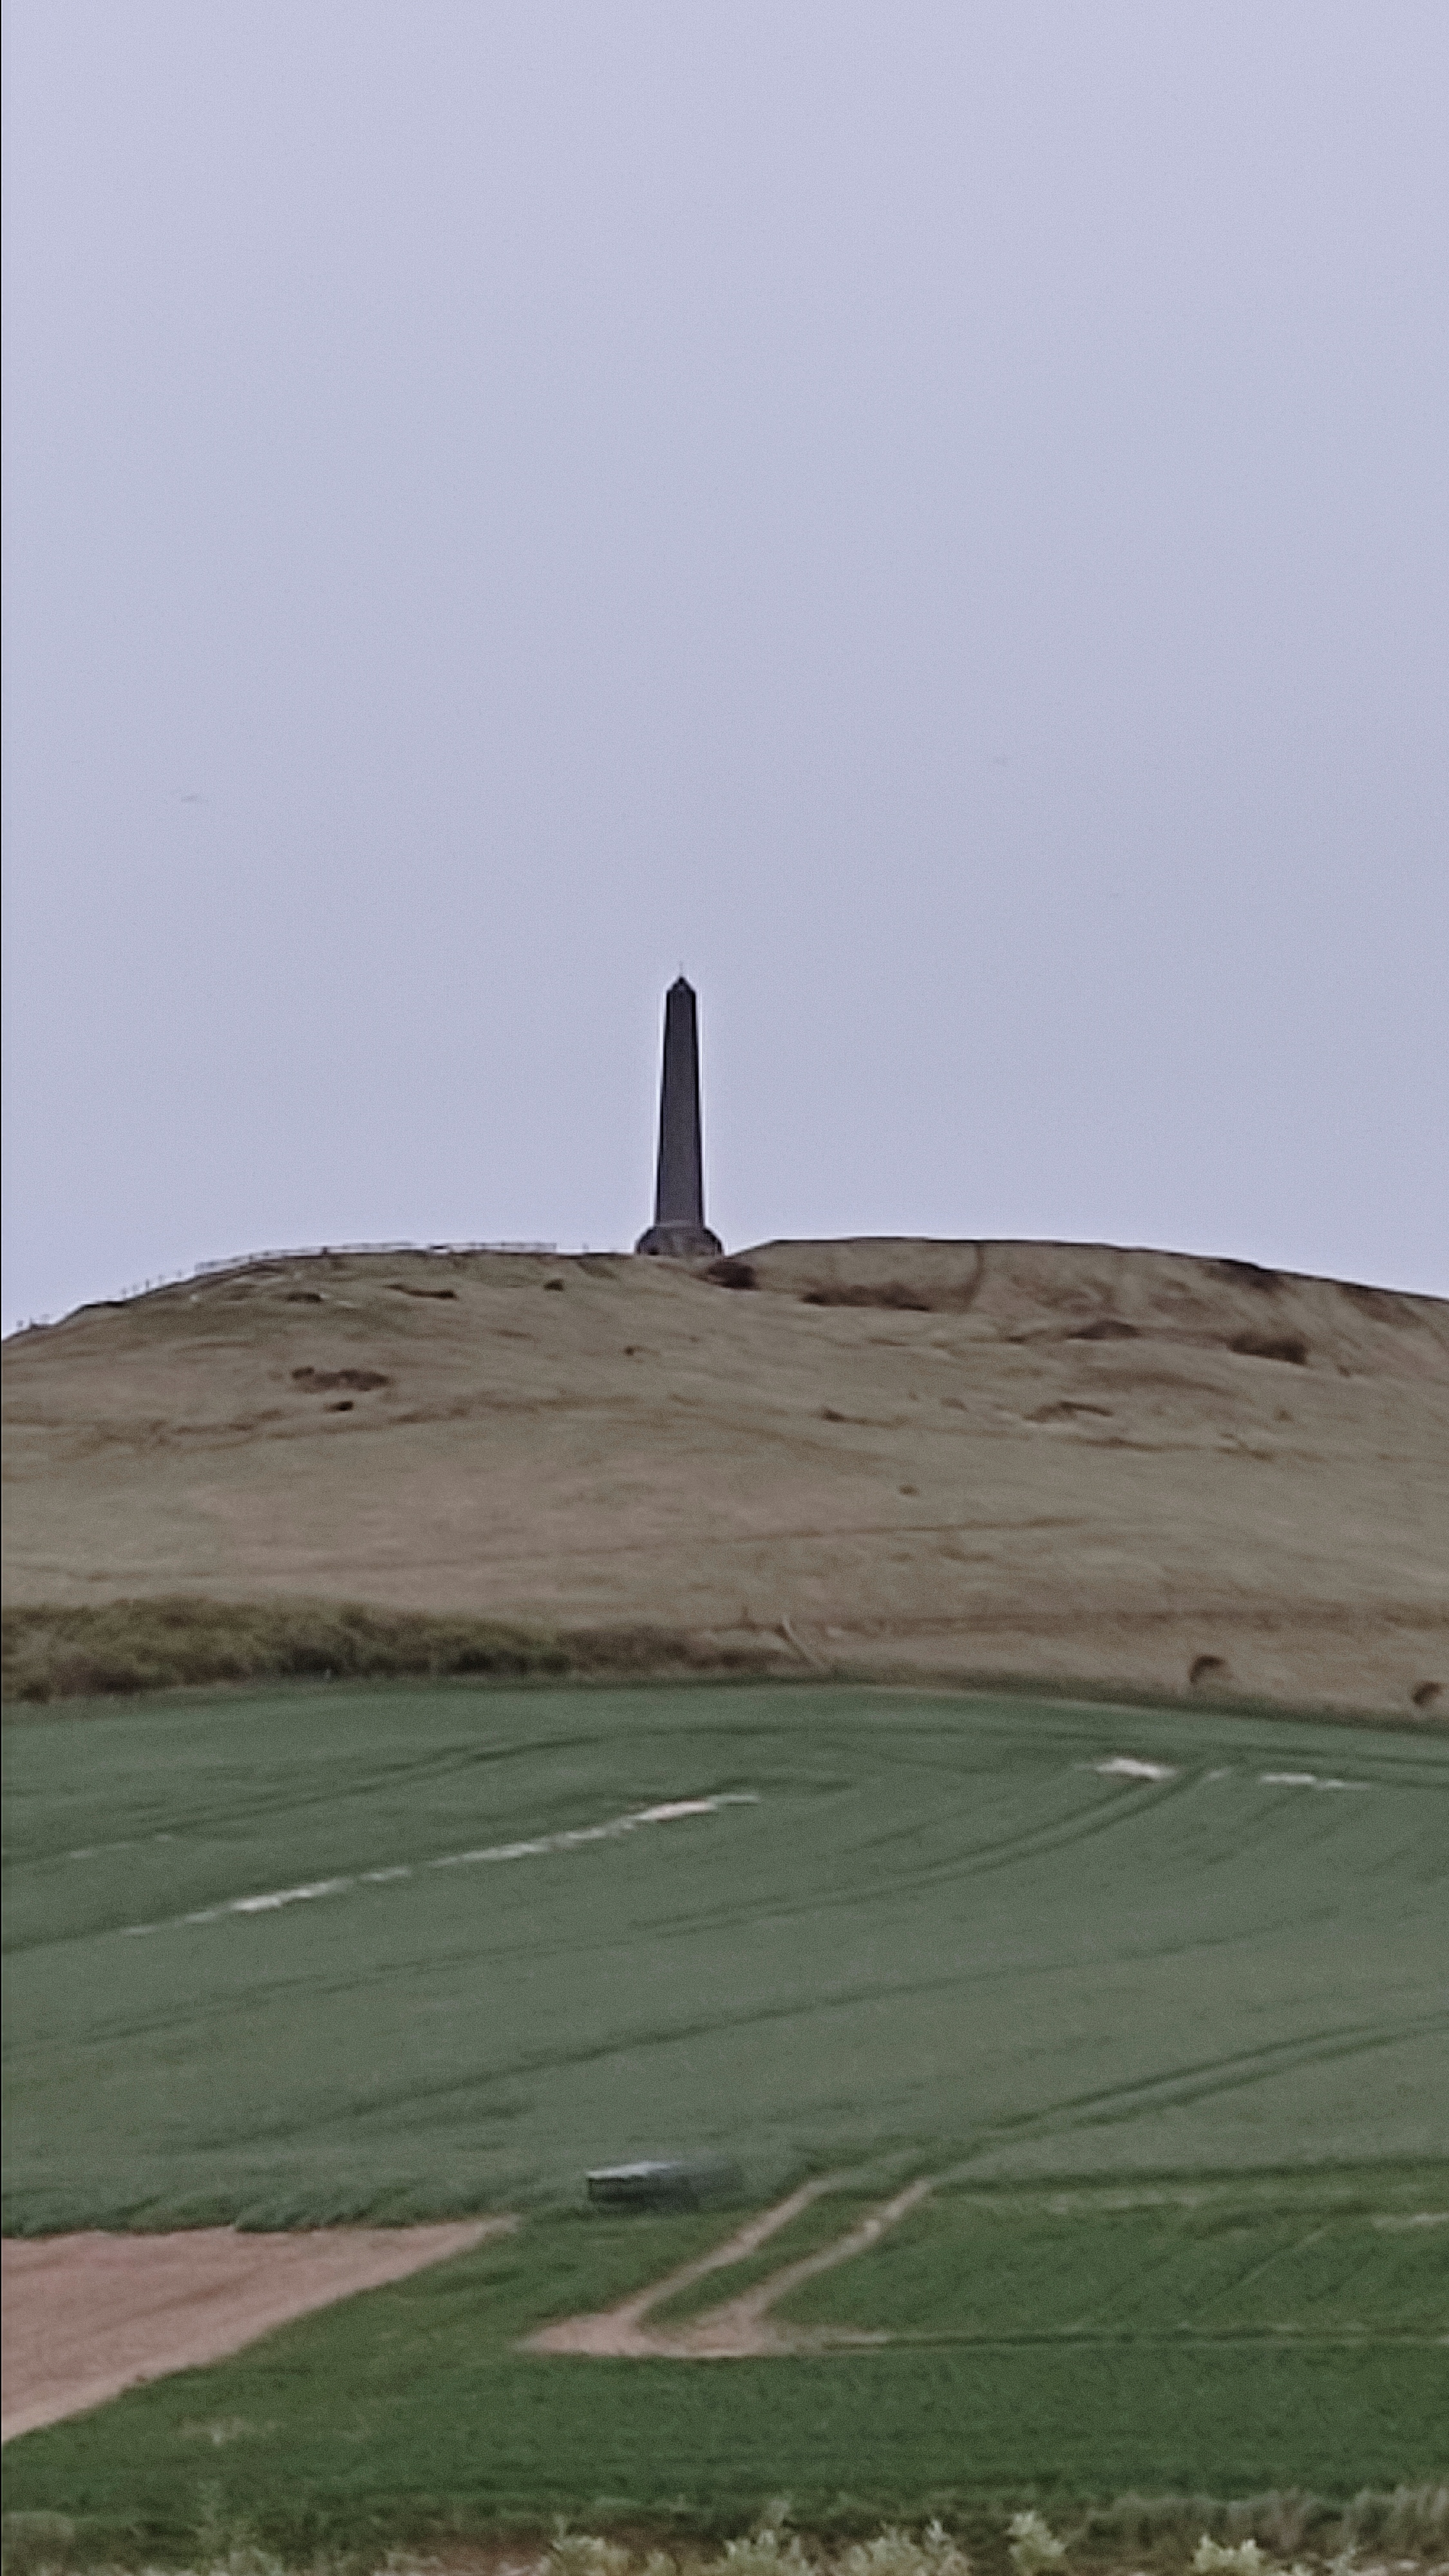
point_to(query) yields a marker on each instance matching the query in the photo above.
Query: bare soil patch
(86, 2316)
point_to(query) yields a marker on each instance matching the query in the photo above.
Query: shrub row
(123, 1647)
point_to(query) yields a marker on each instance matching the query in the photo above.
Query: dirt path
(86, 2316)
(739, 2329)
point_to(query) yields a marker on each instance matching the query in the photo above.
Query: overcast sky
(931, 517)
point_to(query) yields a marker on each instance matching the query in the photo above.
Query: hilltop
(1068, 1463)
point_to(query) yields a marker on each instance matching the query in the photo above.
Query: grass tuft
(1227, 2557)
(1035, 2546)
(894, 2552)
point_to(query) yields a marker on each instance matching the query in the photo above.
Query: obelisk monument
(679, 1231)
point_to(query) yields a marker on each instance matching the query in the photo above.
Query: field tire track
(740, 2328)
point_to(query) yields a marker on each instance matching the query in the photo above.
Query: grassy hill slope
(1058, 1462)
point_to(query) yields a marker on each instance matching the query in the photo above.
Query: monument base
(680, 1243)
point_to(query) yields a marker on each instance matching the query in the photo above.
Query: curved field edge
(134, 1649)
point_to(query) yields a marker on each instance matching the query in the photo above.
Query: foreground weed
(766, 2552)
(1035, 2546)
(1414, 2518)
(582, 2553)
(1245, 2558)
(895, 2553)
(36, 2543)
(43, 2545)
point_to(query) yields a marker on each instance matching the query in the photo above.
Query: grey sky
(932, 517)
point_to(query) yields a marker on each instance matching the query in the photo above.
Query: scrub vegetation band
(125, 1648)
(1274, 2534)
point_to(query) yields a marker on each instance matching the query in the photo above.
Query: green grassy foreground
(1224, 2338)
(1160, 1994)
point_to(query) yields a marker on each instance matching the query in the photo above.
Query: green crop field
(1226, 2338)
(1160, 1995)
(928, 1922)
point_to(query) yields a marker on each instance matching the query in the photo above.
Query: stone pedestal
(680, 1242)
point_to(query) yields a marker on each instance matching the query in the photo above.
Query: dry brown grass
(120, 1648)
(1066, 1464)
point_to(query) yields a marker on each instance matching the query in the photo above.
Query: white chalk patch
(269, 1904)
(1420, 2218)
(1125, 1766)
(1304, 1780)
(276, 1898)
(596, 1833)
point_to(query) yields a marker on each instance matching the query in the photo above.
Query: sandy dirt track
(1059, 1461)
(739, 2329)
(86, 2316)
